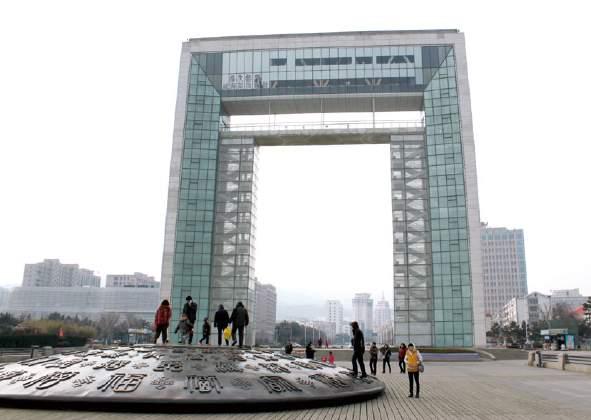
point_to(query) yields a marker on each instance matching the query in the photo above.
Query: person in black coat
(206, 332)
(221, 321)
(358, 343)
(310, 351)
(190, 309)
(239, 320)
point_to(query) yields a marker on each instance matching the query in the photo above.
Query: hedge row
(25, 341)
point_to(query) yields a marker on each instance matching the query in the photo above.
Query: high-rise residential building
(363, 311)
(132, 280)
(210, 230)
(383, 321)
(52, 273)
(382, 315)
(503, 264)
(335, 315)
(265, 310)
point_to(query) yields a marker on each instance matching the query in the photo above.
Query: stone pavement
(477, 390)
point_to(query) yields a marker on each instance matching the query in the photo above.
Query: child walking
(206, 331)
(186, 328)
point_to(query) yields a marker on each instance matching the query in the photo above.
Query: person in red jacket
(401, 355)
(161, 321)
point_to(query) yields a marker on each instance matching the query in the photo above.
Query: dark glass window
(307, 62)
(363, 60)
(398, 59)
(330, 61)
(278, 61)
(337, 61)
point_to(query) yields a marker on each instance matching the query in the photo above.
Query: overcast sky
(87, 93)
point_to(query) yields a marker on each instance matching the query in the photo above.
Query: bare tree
(107, 325)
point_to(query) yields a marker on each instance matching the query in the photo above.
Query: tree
(296, 332)
(55, 316)
(562, 311)
(587, 309)
(106, 326)
(495, 330)
(7, 323)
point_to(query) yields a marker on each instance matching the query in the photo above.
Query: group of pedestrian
(410, 359)
(227, 325)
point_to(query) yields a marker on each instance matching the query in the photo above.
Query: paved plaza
(476, 390)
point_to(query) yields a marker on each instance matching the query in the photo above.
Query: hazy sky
(87, 93)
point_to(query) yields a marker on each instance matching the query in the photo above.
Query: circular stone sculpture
(179, 378)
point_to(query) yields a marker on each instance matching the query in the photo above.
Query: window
(337, 61)
(307, 61)
(363, 60)
(278, 61)
(395, 59)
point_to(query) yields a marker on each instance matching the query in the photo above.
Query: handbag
(421, 368)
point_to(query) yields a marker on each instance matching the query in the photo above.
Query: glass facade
(196, 206)
(215, 222)
(324, 70)
(452, 285)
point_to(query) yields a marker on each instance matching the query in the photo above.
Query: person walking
(206, 329)
(288, 348)
(330, 358)
(387, 353)
(190, 309)
(161, 321)
(413, 361)
(239, 320)
(221, 321)
(358, 344)
(401, 355)
(320, 343)
(185, 327)
(310, 351)
(373, 359)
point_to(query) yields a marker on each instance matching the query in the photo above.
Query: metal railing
(335, 125)
(578, 359)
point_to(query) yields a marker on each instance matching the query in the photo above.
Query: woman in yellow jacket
(413, 360)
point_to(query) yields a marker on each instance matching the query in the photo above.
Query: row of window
(343, 61)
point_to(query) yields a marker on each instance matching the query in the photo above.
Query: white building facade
(539, 308)
(132, 280)
(52, 273)
(383, 321)
(571, 298)
(504, 269)
(516, 310)
(265, 312)
(335, 316)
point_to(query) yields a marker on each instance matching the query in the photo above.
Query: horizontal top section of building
(351, 38)
(256, 74)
